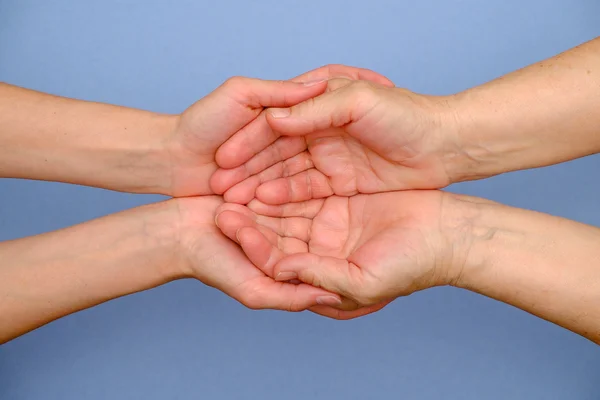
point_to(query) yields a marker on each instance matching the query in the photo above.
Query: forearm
(52, 138)
(541, 115)
(48, 276)
(545, 265)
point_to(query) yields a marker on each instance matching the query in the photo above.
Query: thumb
(238, 101)
(258, 93)
(332, 109)
(330, 273)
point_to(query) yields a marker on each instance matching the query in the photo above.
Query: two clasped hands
(319, 193)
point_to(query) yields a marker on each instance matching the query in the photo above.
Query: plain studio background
(185, 340)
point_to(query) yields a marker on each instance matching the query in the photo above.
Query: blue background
(185, 340)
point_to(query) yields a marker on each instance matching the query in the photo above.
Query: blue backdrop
(185, 340)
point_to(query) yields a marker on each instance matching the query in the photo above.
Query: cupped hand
(357, 137)
(370, 249)
(206, 254)
(237, 107)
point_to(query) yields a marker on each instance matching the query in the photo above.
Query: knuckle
(310, 277)
(367, 295)
(234, 82)
(338, 83)
(363, 88)
(293, 306)
(253, 301)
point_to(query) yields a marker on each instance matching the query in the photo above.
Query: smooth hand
(236, 107)
(206, 254)
(357, 137)
(370, 249)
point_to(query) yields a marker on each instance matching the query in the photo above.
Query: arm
(48, 276)
(374, 248)
(45, 277)
(53, 138)
(541, 115)
(365, 138)
(545, 265)
(58, 139)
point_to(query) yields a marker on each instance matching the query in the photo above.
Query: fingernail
(329, 301)
(279, 112)
(237, 235)
(216, 222)
(286, 276)
(314, 82)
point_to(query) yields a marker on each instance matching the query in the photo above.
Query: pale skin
(306, 216)
(361, 137)
(46, 137)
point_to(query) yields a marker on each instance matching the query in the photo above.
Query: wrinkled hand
(370, 249)
(358, 137)
(206, 254)
(237, 107)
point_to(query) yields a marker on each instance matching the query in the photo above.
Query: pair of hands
(317, 195)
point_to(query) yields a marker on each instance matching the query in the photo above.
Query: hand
(207, 255)
(236, 106)
(359, 137)
(368, 248)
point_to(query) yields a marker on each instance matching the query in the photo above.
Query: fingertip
(232, 196)
(257, 248)
(249, 236)
(217, 182)
(278, 113)
(274, 192)
(226, 156)
(230, 222)
(242, 192)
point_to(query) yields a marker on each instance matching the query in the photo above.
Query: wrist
(468, 227)
(161, 234)
(150, 156)
(451, 134)
(472, 151)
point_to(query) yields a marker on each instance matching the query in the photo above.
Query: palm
(385, 242)
(235, 109)
(204, 127)
(218, 262)
(388, 141)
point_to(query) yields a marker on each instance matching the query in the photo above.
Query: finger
(255, 94)
(281, 150)
(230, 222)
(246, 190)
(269, 294)
(329, 110)
(259, 93)
(246, 143)
(291, 227)
(307, 185)
(336, 313)
(338, 70)
(260, 251)
(265, 256)
(330, 273)
(243, 192)
(306, 209)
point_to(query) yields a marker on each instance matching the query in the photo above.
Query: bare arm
(45, 277)
(53, 138)
(545, 265)
(541, 115)
(51, 275)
